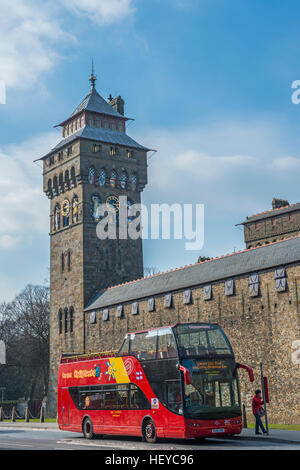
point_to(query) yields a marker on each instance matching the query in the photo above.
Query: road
(18, 439)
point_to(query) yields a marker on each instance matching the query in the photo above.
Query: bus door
(173, 422)
(65, 406)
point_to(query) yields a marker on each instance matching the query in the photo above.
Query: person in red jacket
(257, 403)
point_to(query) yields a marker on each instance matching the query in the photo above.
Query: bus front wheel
(88, 429)
(149, 431)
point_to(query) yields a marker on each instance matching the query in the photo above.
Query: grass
(288, 427)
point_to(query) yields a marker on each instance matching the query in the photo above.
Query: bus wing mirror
(186, 374)
(248, 369)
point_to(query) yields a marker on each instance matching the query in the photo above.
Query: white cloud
(195, 164)
(24, 208)
(102, 11)
(231, 167)
(30, 36)
(287, 163)
(33, 34)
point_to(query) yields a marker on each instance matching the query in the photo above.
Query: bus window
(115, 397)
(166, 344)
(90, 400)
(138, 401)
(201, 340)
(143, 345)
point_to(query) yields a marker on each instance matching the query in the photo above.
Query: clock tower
(95, 163)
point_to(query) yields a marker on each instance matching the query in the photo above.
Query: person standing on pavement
(258, 411)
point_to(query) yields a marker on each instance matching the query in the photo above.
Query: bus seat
(172, 352)
(192, 351)
(182, 351)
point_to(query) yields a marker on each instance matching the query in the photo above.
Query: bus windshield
(201, 340)
(213, 389)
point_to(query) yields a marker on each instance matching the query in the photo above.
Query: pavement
(275, 435)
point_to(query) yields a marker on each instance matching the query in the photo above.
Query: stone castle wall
(260, 329)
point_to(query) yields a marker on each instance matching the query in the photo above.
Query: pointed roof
(95, 103)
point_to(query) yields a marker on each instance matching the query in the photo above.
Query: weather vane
(93, 78)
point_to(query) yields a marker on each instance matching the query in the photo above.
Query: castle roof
(280, 253)
(271, 213)
(99, 135)
(95, 103)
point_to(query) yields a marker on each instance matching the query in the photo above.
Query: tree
(24, 326)
(151, 271)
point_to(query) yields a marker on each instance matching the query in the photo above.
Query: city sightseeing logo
(111, 372)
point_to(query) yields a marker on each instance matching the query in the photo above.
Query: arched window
(55, 185)
(62, 262)
(67, 179)
(50, 192)
(92, 172)
(66, 320)
(113, 179)
(69, 260)
(71, 319)
(60, 321)
(102, 177)
(75, 209)
(95, 207)
(73, 178)
(124, 178)
(57, 217)
(61, 182)
(130, 216)
(133, 182)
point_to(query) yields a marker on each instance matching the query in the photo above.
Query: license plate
(218, 430)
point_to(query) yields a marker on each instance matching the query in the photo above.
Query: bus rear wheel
(149, 431)
(88, 429)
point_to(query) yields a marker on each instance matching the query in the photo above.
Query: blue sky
(208, 83)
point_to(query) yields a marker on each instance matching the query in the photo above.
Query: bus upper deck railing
(67, 358)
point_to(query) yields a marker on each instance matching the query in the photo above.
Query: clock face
(65, 209)
(112, 203)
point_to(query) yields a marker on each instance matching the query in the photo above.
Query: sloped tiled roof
(95, 103)
(251, 260)
(272, 213)
(99, 135)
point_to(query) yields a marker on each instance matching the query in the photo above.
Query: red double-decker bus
(178, 381)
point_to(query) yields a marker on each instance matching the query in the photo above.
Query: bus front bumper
(213, 428)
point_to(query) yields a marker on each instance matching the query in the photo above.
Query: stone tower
(282, 221)
(95, 163)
